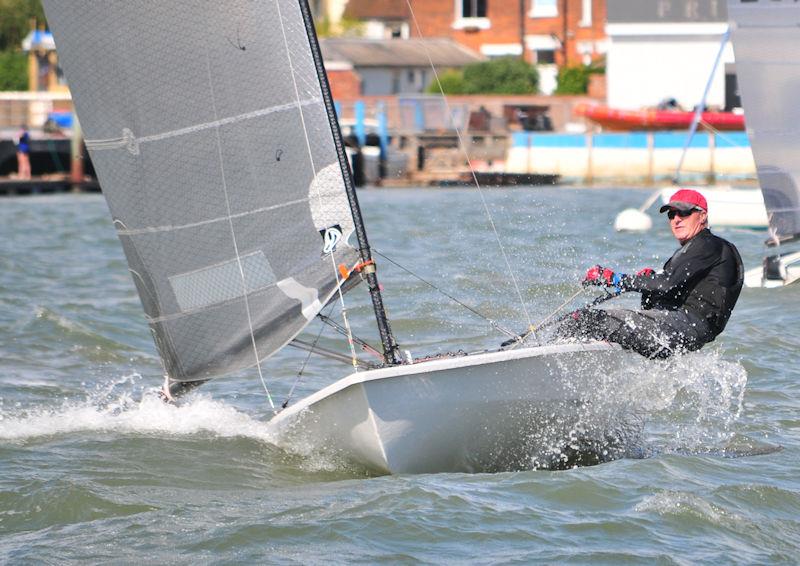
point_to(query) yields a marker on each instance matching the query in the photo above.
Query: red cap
(686, 199)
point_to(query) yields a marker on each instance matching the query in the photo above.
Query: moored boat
(655, 119)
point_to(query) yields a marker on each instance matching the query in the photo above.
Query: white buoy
(632, 220)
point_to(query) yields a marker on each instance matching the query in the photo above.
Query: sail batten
(765, 36)
(219, 165)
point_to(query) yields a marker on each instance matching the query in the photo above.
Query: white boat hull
(507, 410)
(786, 272)
(730, 208)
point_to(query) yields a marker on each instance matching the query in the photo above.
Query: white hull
(787, 272)
(498, 411)
(730, 208)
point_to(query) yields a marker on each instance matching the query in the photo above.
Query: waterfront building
(665, 49)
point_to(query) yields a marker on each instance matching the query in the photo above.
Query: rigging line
(305, 363)
(472, 171)
(493, 323)
(233, 235)
(314, 173)
(720, 133)
(365, 346)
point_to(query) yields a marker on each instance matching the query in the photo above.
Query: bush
(501, 76)
(575, 80)
(452, 83)
(13, 70)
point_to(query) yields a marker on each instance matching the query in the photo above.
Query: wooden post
(712, 149)
(589, 179)
(76, 154)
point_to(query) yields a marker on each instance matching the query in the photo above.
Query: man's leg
(653, 334)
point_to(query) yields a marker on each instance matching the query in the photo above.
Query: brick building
(549, 33)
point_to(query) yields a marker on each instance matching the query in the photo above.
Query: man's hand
(602, 276)
(646, 272)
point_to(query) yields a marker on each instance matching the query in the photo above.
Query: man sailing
(684, 306)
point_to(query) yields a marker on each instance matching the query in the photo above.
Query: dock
(10, 186)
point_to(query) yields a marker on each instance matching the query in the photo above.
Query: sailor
(684, 306)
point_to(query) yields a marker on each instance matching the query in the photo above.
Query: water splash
(124, 406)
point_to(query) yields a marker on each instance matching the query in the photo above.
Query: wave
(123, 406)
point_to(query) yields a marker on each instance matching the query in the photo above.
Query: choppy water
(96, 469)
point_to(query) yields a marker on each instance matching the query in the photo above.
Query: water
(96, 469)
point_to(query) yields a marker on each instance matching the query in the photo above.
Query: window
(544, 9)
(586, 14)
(473, 8)
(471, 15)
(545, 56)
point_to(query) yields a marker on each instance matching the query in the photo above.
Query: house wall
(500, 31)
(643, 70)
(377, 81)
(665, 49)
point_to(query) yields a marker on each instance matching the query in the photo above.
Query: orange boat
(652, 119)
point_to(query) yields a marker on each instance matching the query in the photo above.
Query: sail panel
(765, 36)
(207, 127)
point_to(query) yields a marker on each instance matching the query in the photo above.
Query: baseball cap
(685, 199)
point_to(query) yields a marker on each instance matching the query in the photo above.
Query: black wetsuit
(684, 307)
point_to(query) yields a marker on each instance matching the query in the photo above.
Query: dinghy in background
(765, 39)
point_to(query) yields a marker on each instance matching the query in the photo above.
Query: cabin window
(586, 14)
(544, 9)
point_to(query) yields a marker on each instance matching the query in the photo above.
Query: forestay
(207, 127)
(765, 39)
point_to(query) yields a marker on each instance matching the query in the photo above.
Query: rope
(339, 281)
(491, 322)
(472, 171)
(305, 363)
(233, 237)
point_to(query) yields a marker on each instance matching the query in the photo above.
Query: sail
(765, 39)
(210, 135)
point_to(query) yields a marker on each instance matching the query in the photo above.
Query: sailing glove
(646, 272)
(603, 277)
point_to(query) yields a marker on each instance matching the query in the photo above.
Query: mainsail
(209, 127)
(766, 34)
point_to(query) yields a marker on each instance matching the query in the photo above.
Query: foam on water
(689, 405)
(123, 406)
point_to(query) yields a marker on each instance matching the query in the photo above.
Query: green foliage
(347, 27)
(15, 21)
(13, 70)
(452, 82)
(507, 75)
(575, 80)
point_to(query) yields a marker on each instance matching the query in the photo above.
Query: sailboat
(765, 38)
(213, 133)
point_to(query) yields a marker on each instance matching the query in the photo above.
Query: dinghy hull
(500, 411)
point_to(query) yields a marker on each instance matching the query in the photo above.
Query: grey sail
(209, 133)
(766, 35)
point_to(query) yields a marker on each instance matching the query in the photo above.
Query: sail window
(222, 282)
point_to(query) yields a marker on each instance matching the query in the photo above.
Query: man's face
(684, 228)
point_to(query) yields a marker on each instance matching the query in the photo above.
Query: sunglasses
(682, 213)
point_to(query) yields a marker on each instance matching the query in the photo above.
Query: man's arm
(685, 266)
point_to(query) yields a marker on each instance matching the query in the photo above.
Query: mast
(390, 348)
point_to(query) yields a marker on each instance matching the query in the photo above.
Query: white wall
(647, 63)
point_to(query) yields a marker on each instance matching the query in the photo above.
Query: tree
(452, 82)
(13, 71)
(501, 76)
(575, 80)
(15, 21)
